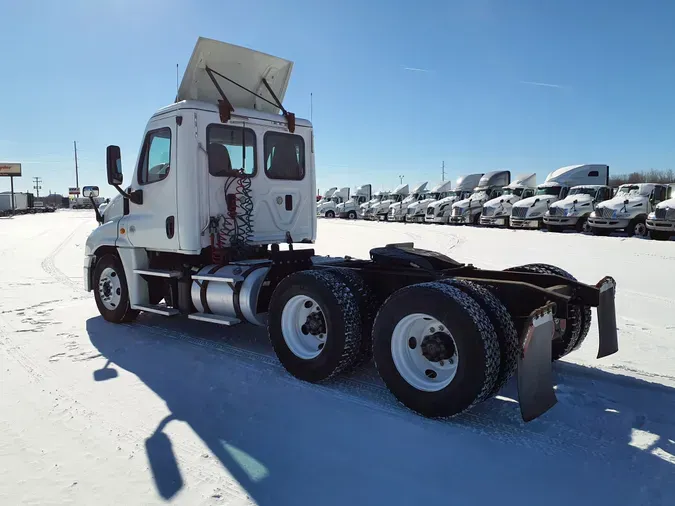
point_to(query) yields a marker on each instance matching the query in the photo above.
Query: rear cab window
(231, 150)
(284, 156)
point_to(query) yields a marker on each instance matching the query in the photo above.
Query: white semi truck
(440, 211)
(497, 211)
(661, 222)
(398, 210)
(573, 211)
(350, 209)
(628, 209)
(490, 186)
(326, 196)
(417, 211)
(529, 212)
(223, 181)
(378, 197)
(328, 209)
(380, 210)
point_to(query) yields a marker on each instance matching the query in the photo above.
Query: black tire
(601, 232)
(368, 306)
(659, 235)
(474, 339)
(476, 220)
(637, 227)
(578, 318)
(342, 319)
(351, 215)
(580, 225)
(509, 347)
(122, 312)
(330, 214)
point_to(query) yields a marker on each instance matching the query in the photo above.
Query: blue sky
(398, 86)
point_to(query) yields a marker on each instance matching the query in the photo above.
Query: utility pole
(37, 186)
(400, 179)
(311, 106)
(77, 177)
(176, 79)
(443, 171)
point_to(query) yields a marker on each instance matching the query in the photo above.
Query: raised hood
(244, 66)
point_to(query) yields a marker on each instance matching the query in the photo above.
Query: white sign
(10, 169)
(73, 191)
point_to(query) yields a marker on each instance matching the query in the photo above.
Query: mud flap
(535, 374)
(607, 334)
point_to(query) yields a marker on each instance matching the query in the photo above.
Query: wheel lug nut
(441, 363)
(308, 304)
(432, 329)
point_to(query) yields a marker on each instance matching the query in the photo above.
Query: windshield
(628, 188)
(336, 199)
(411, 197)
(584, 191)
(509, 191)
(479, 195)
(549, 190)
(434, 196)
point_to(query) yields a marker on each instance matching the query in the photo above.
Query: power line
(36, 186)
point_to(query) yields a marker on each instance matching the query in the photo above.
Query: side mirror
(114, 166)
(90, 191)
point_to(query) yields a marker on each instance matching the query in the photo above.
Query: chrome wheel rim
(110, 288)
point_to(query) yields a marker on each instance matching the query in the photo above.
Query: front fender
(104, 235)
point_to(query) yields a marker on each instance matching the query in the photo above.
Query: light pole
(400, 179)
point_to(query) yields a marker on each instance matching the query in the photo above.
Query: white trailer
(201, 241)
(328, 208)
(628, 209)
(350, 209)
(440, 211)
(398, 210)
(661, 222)
(573, 211)
(22, 201)
(490, 186)
(529, 212)
(417, 210)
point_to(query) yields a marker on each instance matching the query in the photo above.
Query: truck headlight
(651, 216)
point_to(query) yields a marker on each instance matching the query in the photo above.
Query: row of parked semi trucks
(574, 197)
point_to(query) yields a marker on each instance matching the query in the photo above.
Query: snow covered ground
(182, 412)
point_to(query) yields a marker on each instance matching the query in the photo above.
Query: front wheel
(111, 291)
(351, 215)
(330, 214)
(637, 227)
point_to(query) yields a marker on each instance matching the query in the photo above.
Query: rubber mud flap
(607, 334)
(535, 374)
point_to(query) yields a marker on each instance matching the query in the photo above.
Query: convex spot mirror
(90, 191)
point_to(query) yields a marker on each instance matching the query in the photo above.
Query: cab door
(152, 224)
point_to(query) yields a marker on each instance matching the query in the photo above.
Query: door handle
(289, 202)
(170, 228)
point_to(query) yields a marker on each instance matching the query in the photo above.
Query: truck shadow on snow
(348, 442)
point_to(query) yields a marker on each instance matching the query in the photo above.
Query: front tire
(330, 214)
(637, 228)
(435, 349)
(111, 291)
(314, 325)
(351, 215)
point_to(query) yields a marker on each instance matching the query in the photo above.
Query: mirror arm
(99, 218)
(135, 196)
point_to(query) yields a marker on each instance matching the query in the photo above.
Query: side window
(528, 193)
(155, 160)
(659, 193)
(230, 150)
(284, 156)
(593, 173)
(496, 193)
(564, 192)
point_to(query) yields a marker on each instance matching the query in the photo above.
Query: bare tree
(645, 176)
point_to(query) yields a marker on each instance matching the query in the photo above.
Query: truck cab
(398, 210)
(350, 209)
(367, 209)
(661, 222)
(440, 210)
(380, 210)
(417, 211)
(490, 186)
(573, 211)
(529, 213)
(497, 211)
(628, 209)
(328, 208)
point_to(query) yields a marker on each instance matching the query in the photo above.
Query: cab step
(157, 309)
(158, 273)
(214, 318)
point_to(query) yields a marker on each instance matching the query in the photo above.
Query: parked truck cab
(497, 211)
(661, 222)
(367, 208)
(441, 210)
(225, 177)
(328, 209)
(417, 211)
(380, 210)
(628, 209)
(573, 211)
(398, 210)
(350, 209)
(529, 213)
(490, 186)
